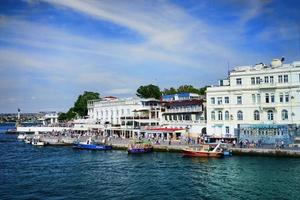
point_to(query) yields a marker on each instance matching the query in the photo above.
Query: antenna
(228, 69)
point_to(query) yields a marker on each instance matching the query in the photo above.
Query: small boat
(205, 150)
(27, 141)
(91, 145)
(37, 142)
(140, 147)
(21, 137)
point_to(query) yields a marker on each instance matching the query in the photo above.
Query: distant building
(48, 118)
(256, 103)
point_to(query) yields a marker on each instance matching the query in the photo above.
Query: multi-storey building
(257, 102)
(125, 116)
(186, 111)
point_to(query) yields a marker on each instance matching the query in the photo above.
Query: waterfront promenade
(119, 143)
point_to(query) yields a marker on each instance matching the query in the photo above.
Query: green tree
(80, 106)
(167, 91)
(188, 89)
(148, 91)
(202, 91)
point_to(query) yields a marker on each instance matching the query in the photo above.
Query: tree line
(145, 91)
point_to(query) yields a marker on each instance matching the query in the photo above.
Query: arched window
(284, 115)
(239, 115)
(270, 115)
(220, 115)
(256, 115)
(213, 117)
(226, 115)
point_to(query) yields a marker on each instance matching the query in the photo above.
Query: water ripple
(55, 173)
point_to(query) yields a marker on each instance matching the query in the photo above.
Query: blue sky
(53, 50)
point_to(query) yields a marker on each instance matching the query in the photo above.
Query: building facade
(253, 99)
(125, 117)
(186, 111)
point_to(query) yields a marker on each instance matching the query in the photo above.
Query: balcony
(184, 110)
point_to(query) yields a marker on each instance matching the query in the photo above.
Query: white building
(259, 100)
(186, 111)
(125, 116)
(49, 118)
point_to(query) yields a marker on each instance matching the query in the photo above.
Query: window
(220, 115)
(226, 115)
(258, 98)
(166, 117)
(257, 80)
(267, 98)
(239, 100)
(239, 115)
(253, 80)
(180, 117)
(239, 81)
(213, 101)
(285, 78)
(219, 100)
(188, 117)
(227, 129)
(280, 79)
(287, 97)
(266, 79)
(122, 111)
(271, 79)
(272, 98)
(226, 100)
(281, 97)
(213, 117)
(253, 98)
(256, 115)
(270, 115)
(284, 115)
(175, 117)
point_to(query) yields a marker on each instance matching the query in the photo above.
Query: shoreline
(267, 152)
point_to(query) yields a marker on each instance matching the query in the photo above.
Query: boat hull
(38, 143)
(92, 147)
(21, 137)
(202, 154)
(139, 150)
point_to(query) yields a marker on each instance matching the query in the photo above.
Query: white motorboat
(21, 137)
(37, 142)
(27, 141)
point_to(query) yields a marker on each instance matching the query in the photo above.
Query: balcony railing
(182, 110)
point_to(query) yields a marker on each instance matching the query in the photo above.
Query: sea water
(29, 172)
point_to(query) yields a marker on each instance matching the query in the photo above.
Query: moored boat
(37, 142)
(21, 137)
(27, 140)
(140, 147)
(89, 144)
(205, 150)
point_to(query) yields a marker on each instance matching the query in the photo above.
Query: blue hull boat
(92, 147)
(227, 153)
(140, 150)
